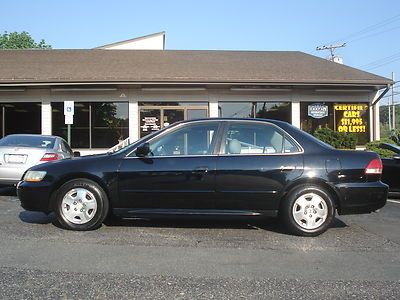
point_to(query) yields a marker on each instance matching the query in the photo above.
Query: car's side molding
(132, 212)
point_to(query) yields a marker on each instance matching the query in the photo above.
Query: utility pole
(331, 48)
(393, 105)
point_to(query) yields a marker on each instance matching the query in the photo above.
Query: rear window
(28, 141)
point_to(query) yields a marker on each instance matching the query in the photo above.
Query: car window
(65, 147)
(257, 139)
(28, 141)
(195, 139)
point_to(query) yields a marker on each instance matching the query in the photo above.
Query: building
(120, 94)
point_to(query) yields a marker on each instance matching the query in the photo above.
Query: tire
(307, 210)
(81, 204)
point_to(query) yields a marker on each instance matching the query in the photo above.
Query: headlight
(34, 176)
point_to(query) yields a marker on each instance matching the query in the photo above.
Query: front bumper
(361, 198)
(34, 196)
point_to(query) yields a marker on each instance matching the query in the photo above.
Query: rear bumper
(361, 198)
(34, 196)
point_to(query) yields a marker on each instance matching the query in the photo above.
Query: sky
(370, 29)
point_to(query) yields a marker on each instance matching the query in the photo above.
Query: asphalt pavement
(203, 258)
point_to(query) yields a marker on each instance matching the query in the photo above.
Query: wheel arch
(79, 175)
(318, 182)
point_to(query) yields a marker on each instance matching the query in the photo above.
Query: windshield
(28, 141)
(391, 147)
(139, 141)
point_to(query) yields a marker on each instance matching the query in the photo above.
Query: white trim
(213, 107)
(46, 118)
(371, 123)
(133, 116)
(296, 113)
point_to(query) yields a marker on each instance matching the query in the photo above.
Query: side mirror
(143, 150)
(77, 154)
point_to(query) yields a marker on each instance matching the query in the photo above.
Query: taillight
(374, 167)
(49, 157)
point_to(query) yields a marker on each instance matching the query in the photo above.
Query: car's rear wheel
(307, 210)
(81, 204)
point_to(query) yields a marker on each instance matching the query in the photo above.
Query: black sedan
(218, 167)
(391, 169)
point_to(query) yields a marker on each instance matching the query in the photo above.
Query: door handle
(200, 172)
(287, 168)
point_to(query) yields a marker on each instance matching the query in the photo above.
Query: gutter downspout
(375, 119)
(381, 95)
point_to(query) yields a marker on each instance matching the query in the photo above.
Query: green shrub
(339, 140)
(384, 153)
(395, 136)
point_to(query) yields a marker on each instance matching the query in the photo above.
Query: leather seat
(234, 147)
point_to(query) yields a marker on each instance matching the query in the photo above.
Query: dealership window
(266, 110)
(23, 117)
(343, 117)
(96, 124)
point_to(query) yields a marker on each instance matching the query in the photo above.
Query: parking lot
(359, 257)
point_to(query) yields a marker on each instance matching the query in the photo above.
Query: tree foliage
(20, 40)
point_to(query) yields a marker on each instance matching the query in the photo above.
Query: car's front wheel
(81, 204)
(307, 210)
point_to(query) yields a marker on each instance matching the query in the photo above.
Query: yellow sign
(350, 118)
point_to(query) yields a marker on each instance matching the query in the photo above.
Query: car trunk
(14, 161)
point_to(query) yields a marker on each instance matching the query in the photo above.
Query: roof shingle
(176, 66)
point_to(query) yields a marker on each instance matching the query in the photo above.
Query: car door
(179, 173)
(391, 171)
(257, 160)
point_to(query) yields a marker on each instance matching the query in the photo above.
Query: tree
(23, 40)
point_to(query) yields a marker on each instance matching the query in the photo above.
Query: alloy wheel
(79, 206)
(310, 211)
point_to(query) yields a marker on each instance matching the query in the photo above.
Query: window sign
(351, 118)
(150, 124)
(150, 121)
(318, 111)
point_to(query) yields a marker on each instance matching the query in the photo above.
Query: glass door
(150, 120)
(171, 116)
(153, 117)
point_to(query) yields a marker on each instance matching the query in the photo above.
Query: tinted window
(190, 140)
(22, 118)
(266, 110)
(257, 139)
(28, 141)
(65, 147)
(96, 125)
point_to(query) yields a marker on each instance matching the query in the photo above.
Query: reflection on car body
(218, 167)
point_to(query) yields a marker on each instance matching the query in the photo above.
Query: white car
(19, 152)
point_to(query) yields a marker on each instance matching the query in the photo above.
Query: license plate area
(15, 158)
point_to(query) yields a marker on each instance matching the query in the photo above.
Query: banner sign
(351, 117)
(318, 111)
